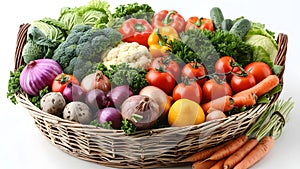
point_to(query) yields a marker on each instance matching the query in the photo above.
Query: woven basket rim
(49, 124)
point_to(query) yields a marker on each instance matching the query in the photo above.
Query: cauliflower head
(136, 55)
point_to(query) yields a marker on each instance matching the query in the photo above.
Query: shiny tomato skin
(195, 70)
(223, 66)
(167, 64)
(163, 80)
(212, 90)
(259, 70)
(61, 81)
(190, 91)
(240, 83)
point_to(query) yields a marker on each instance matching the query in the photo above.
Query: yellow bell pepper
(158, 38)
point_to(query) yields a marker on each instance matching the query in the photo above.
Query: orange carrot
(224, 103)
(204, 154)
(261, 150)
(261, 88)
(206, 164)
(237, 156)
(249, 99)
(219, 164)
(229, 148)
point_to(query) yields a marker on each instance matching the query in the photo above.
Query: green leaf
(36, 100)
(13, 86)
(277, 69)
(105, 125)
(128, 127)
(266, 98)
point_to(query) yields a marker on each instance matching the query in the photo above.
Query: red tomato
(163, 80)
(259, 70)
(61, 81)
(191, 91)
(242, 82)
(194, 70)
(167, 64)
(212, 89)
(223, 66)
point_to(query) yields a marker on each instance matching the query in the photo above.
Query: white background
(23, 146)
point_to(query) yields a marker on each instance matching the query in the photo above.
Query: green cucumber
(227, 24)
(217, 17)
(241, 27)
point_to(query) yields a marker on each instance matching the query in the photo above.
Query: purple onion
(39, 74)
(73, 92)
(110, 114)
(96, 99)
(118, 95)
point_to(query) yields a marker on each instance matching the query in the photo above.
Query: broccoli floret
(66, 51)
(84, 47)
(92, 46)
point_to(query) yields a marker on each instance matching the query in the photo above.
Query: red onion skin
(39, 74)
(73, 92)
(118, 95)
(96, 99)
(110, 114)
(149, 116)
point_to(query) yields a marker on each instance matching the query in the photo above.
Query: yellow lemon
(184, 112)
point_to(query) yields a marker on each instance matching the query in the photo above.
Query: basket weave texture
(164, 147)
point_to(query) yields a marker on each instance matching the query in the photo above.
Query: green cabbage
(265, 47)
(95, 13)
(265, 43)
(52, 29)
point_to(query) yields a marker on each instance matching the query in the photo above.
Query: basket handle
(21, 41)
(282, 41)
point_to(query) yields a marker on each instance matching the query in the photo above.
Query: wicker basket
(163, 147)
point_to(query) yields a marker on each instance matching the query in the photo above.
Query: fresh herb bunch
(133, 10)
(36, 100)
(228, 44)
(143, 11)
(123, 74)
(14, 84)
(105, 125)
(207, 47)
(128, 127)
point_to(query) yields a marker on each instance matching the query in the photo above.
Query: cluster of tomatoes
(192, 81)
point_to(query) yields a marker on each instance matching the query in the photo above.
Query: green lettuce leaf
(52, 28)
(95, 13)
(265, 47)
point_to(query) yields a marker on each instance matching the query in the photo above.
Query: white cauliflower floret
(136, 55)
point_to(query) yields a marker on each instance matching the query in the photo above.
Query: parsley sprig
(14, 84)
